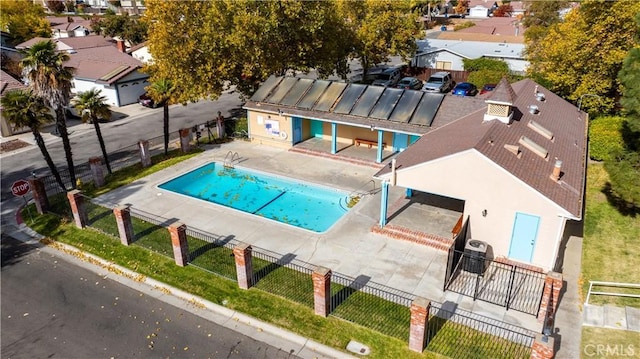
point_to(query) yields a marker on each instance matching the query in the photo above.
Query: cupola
(500, 103)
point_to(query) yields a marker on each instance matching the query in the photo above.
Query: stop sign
(20, 188)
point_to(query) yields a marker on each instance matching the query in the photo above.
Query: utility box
(475, 255)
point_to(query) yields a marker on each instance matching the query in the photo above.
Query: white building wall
(143, 55)
(431, 59)
(483, 185)
(86, 85)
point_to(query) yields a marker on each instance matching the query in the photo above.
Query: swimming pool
(281, 199)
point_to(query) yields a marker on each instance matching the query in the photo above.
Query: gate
(455, 251)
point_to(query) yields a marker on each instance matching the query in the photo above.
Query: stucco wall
(430, 60)
(483, 185)
(258, 131)
(108, 92)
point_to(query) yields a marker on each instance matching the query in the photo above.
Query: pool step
(410, 235)
(354, 160)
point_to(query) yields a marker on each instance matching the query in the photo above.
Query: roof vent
(513, 149)
(540, 96)
(533, 109)
(541, 130)
(534, 147)
(71, 51)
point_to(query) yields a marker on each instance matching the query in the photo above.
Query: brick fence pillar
(419, 321)
(95, 163)
(145, 156)
(321, 277)
(39, 195)
(77, 208)
(185, 138)
(244, 264)
(178, 233)
(550, 295)
(542, 347)
(125, 226)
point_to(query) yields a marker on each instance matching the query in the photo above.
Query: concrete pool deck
(348, 248)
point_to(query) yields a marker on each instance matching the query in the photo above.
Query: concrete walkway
(612, 317)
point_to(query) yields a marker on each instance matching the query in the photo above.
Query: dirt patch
(12, 145)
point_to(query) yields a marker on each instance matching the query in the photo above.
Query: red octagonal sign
(20, 188)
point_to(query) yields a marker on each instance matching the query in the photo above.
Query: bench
(367, 142)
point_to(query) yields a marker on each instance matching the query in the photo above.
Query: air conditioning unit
(475, 254)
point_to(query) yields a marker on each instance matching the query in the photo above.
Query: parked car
(487, 88)
(388, 77)
(465, 89)
(438, 82)
(409, 83)
(146, 101)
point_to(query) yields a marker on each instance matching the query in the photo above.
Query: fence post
(145, 156)
(419, 321)
(77, 208)
(39, 195)
(542, 347)
(178, 233)
(550, 294)
(321, 277)
(95, 163)
(244, 264)
(125, 226)
(185, 138)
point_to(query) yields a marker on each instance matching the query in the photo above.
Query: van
(388, 77)
(438, 82)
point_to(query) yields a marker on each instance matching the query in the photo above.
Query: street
(53, 308)
(117, 134)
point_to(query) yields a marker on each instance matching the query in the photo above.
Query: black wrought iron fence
(101, 217)
(371, 305)
(212, 253)
(283, 276)
(460, 334)
(149, 231)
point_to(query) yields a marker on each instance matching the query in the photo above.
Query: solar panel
(366, 102)
(313, 94)
(386, 103)
(405, 106)
(281, 91)
(265, 89)
(426, 110)
(299, 89)
(349, 98)
(330, 96)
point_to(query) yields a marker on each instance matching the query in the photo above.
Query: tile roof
(489, 138)
(102, 62)
(27, 44)
(472, 49)
(8, 83)
(137, 47)
(502, 93)
(76, 43)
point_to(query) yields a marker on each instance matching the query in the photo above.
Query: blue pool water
(299, 204)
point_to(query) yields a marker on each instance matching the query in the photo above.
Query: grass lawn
(611, 246)
(609, 343)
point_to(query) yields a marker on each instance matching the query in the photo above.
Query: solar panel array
(382, 103)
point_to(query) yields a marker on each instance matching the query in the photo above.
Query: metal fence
(212, 253)
(371, 305)
(149, 231)
(460, 334)
(100, 217)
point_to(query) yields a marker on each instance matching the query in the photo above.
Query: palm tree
(93, 108)
(43, 66)
(22, 108)
(161, 92)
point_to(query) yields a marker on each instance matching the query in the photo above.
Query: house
(102, 63)
(141, 52)
(8, 83)
(513, 163)
(518, 164)
(69, 26)
(448, 54)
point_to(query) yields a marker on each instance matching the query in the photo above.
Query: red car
(487, 88)
(146, 101)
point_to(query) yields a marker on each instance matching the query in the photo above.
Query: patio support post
(178, 233)
(419, 321)
(409, 193)
(334, 138)
(95, 163)
(550, 295)
(125, 226)
(321, 277)
(244, 265)
(185, 138)
(145, 156)
(542, 347)
(39, 195)
(384, 198)
(76, 201)
(380, 137)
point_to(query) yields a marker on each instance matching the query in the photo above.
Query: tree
(380, 29)
(44, 68)
(56, 6)
(584, 53)
(93, 108)
(486, 71)
(129, 28)
(161, 91)
(22, 108)
(23, 20)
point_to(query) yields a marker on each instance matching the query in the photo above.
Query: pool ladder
(230, 158)
(354, 197)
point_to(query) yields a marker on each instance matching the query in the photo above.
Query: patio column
(419, 321)
(321, 277)
(76, 201)
(380, 137)
(185, 138)
(95, 163)
(384, 199)
(334, 138)
(409, 193)
(178, 232)
(39, 194)
(550, 295)
(125, 226)
(542, 347)
(244, 264)
(145, 156)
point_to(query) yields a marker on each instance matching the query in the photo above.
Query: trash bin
(475, 254)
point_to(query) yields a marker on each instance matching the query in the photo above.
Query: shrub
(464, 25)
(605, 137)
(482, 77)
(484, 63)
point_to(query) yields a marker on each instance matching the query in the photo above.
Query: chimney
(555, 175)
(120, 46)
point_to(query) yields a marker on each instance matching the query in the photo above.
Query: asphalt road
(117, 134)
(52, 308)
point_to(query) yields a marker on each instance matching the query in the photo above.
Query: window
(443, 65)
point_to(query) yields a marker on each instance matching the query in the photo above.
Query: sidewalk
(241, 323)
